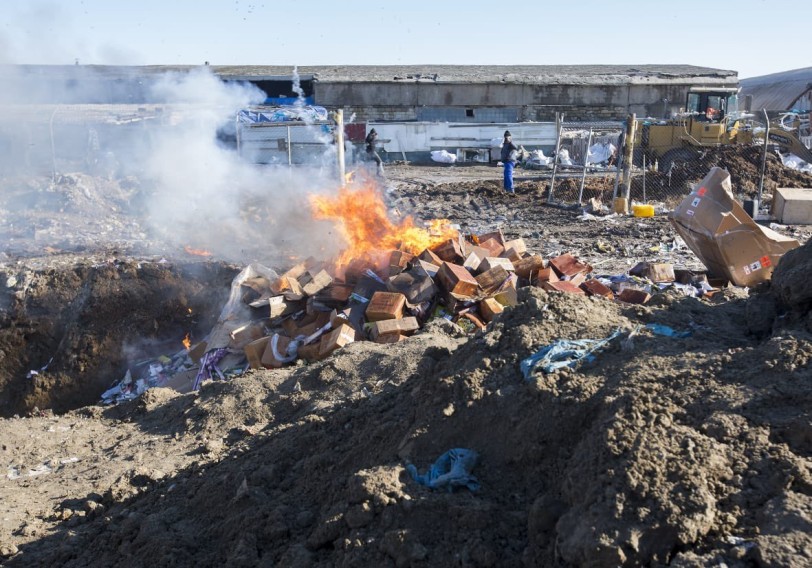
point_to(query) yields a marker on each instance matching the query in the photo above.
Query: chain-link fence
(663, 160)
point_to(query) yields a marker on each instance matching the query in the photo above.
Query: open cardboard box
(724, 237)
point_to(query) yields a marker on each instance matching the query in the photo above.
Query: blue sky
(720, 34)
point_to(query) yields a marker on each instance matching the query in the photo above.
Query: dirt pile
(689, 451)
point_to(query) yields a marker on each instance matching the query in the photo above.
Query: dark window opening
(469, 113)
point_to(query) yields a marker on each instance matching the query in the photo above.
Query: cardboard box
(336, 339)
(568, 265)
(309, 353)
(314, 283)
(596, 288)
(529, 266)
(473, 261)
(245, 334)
(792, 206)
(490, 308)
(492, 280)
(280, 306)
(449, 251)
(390, 338)
(724, 237)
(496, 235)
(493, 246)
(431, 258)
(385, 305)
(493, 261)
(398, 326)
(633, 296)
(415, 284)
(545, 275)
(429, 268)
(276, 350)
(457, 280)
(254, 351)
(656, 272)
(563, 286)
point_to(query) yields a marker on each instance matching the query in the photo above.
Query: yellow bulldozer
(710, 119)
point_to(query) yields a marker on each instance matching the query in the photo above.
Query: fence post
(290, 156)
(763, 162)
(621, 146)
(586, 163)
(559, 120)
(339, 118)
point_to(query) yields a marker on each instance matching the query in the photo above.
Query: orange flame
(196, 252)
(187, 342)
(363, 221)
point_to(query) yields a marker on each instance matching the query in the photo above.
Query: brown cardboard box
(336, 339)
(449, 251)
(529, 266)
(398, 326)
(385, 305)
(245, 334)
(492, 280)
(724, 237)
(473, 261)
(493, 246)
(457, 280)
(633, 296)
(313, 283)
(545, 275)
(490, 308)
(269, 356)
(254, 351)
(596, 288)
(390, 338)
(568, 265)
(310, 352)
(431, 258)
(563, 286)
(492, 261)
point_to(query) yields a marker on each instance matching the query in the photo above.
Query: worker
(510, 153)
(372, 153)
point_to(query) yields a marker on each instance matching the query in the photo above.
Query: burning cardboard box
(724, 237)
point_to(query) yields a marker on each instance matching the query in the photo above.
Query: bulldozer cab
(711, 105)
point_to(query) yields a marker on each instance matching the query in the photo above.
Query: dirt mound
(690, 451)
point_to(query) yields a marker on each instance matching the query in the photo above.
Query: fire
(187, 342)
(363, 220)
(196, 252)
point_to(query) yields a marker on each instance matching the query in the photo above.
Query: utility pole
(339, 119)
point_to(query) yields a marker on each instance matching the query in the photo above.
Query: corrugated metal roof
(778, 91)
(532, 74)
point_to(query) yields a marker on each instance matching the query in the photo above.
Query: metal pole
(619, 165)
(559, 120)
(627, 166)
(586, 163)
(763, 162)
(339, 118)
(644, 177)
(290, 156)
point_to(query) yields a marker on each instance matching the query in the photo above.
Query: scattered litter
(564, 353)
(451, 470)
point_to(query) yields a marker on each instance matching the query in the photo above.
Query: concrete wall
(399, 102)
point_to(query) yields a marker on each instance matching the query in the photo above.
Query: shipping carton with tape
(724, 237)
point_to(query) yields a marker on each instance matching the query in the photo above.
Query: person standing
(510, 153)
(372, 153)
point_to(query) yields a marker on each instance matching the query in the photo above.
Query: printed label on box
(747, 270)
(755, 266)
(695, 202)
(701, 191)
(690, 212)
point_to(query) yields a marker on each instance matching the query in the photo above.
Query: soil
(661, 451)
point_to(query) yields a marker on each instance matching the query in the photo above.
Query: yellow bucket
(643, 210)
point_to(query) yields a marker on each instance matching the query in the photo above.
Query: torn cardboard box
(724, 237)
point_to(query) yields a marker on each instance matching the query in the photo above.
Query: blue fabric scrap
(563, 353)
(451, 470)
(664, 330)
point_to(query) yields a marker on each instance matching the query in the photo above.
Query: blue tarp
(563, 353)
(284, 114)
(452, 469)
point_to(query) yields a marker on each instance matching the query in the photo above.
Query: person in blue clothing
(510, 153)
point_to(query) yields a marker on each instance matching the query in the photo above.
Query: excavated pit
(67, 332)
